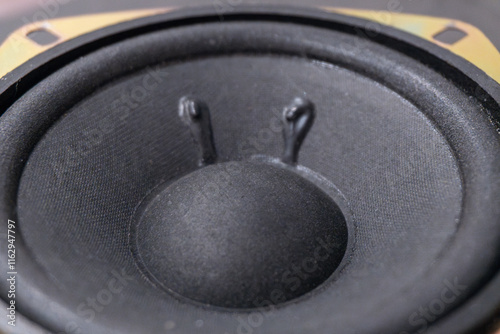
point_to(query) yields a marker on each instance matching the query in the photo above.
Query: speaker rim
(16, 82)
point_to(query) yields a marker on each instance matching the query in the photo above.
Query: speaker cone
(275, 172)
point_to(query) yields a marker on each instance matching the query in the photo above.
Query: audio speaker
(282, 170)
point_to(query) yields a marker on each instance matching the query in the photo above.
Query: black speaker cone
(96, 161)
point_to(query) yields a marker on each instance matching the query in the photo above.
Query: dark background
(484, 14)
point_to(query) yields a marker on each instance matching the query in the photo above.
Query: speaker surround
(400, 171)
